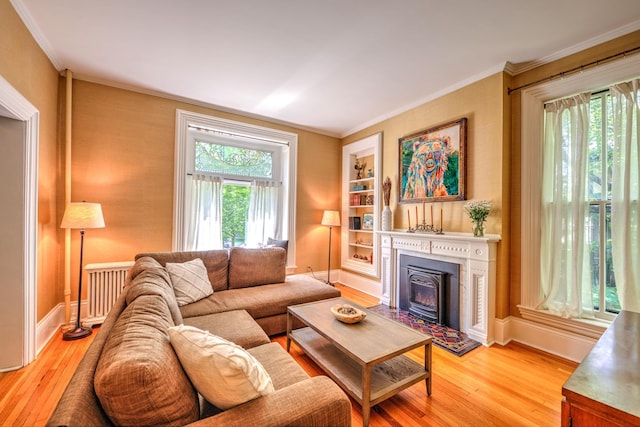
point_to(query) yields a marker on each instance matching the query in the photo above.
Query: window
(600, 176)
(576, 260)
(600, 225)
(242, 165)
(234, 184)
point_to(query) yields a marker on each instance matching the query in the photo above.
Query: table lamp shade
(331, 218)
(83, 215)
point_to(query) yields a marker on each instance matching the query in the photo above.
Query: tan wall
(123, 157)
(29, 71)
(576, 60)
(484, 104)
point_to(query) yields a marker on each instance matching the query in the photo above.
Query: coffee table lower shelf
(387, 378)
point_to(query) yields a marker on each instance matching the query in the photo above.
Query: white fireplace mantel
(477, 259)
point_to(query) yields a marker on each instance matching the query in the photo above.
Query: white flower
(478, 210)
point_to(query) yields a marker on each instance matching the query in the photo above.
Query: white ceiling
(334, 66)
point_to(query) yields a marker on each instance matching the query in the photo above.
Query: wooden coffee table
(366, 359)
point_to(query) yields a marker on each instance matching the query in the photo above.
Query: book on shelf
(355, 223)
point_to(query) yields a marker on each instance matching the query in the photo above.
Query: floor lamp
(331, 219)
(81, 216)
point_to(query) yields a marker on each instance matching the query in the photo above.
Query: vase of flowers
(386, 212)
(478, 211)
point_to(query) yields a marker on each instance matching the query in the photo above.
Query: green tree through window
(230, 160)
(603, 284)
(235, 205)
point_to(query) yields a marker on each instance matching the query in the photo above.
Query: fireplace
(429, 289)
(426, 296)
(472, 294)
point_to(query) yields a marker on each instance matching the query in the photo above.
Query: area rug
(444, 337)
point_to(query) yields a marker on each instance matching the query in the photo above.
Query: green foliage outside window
(230, 160)
(599, 196)
(235, 205)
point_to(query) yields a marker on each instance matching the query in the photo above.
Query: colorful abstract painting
(432, 164)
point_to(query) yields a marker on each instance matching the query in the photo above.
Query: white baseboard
(49, 326)
(363, 284)
(542, 337)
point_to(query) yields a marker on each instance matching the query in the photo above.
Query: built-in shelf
(362, 197)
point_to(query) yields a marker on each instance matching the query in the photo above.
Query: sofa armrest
(316, 401)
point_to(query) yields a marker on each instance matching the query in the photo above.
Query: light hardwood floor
(509, 385)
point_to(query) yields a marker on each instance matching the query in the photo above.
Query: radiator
(105, 282)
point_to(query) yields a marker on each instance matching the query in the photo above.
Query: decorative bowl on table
(347, 313)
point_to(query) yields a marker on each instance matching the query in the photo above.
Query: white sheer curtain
(564, 266)
(204, 219)
(625, 194)
(263, 219)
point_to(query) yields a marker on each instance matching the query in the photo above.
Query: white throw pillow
(223, 372)
(190, 281)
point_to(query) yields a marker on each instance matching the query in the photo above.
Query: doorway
(18, 227)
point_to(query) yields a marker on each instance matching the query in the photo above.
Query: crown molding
(23, 11)
(520, 68)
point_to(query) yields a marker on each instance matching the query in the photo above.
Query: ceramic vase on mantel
(386, 219)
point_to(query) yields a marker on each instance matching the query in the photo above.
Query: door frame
(16, 106)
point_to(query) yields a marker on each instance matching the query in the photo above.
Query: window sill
(592, 328)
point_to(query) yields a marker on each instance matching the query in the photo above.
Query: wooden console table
(604, 390)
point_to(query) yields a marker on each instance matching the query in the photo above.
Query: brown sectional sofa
(131, 376)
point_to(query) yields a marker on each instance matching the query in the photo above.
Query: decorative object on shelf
(478, 211)
(81, 216)
(361, 257)
(359, 167)
(359, 187)
(347, 313)
(370, 173)
(432, 164)
(367, 221)
(386, 211)
(369, 200)
(330, 219)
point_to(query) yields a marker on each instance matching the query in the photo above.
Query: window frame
(252, 134)
(531, 138)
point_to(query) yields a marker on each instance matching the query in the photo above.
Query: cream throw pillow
(223, 372)
(190, 281)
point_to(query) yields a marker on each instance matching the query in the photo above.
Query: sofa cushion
(138, 367)
(256, 266)
(264, 301)
(236, 325)
(148, 277)
(216, 261)
(282, 368)
(223, 372)
(190, 281)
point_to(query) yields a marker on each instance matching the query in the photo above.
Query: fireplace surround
(476, 260)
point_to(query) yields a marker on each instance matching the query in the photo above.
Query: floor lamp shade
(81, 216)
(331, 219)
